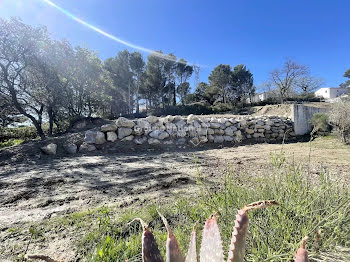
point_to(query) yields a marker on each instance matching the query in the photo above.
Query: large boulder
(215, 125)
(203, 139)
(181, 133)
(124, 122)
(195, 141)
(153, 141)
(49, 149)
(151, 119)
(85, 147)
(169, 118)
(123, 132)
(218, 139)
(181, 141)
(243, 122)
(70, 148)
(205, 125)
(140, 140)
(211, 138)
(109, 127)
(163, 135)
(128, 138)
(191, 118)
(155, 133)
(249, 131)
(111, 136)
(228, 138)
(94, 137)
(142, 127)
(202, 131)
(181, 123)
(219, 131)
(230, 130)
(210, 131)
(171, 128)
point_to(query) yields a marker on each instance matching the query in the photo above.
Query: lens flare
(114, 38)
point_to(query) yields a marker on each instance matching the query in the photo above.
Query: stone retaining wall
(192, 130)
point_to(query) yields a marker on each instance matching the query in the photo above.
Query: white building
(259, 97)
(330, 92)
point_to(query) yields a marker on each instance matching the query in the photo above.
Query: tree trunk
(174, 95)
(50, 113)
(36, 123)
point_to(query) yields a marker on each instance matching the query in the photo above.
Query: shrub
(195, 108)
(319, 122)
(222, 107)
(340, 119)
(24, 133)
(11, 142)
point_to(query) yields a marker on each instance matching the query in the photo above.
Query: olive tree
(19, 51)
(340, 118)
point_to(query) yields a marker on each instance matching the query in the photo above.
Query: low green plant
(308, 205)
(11, 142)
(222, 107)
(320, 123)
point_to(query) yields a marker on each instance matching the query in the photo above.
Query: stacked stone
(192, 129)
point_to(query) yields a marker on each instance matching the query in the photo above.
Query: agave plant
(211, 247)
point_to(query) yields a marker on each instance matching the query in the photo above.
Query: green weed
(308, 205)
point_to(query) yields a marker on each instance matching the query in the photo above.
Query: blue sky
(258, 33)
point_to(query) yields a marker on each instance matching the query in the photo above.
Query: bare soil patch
(39, 190)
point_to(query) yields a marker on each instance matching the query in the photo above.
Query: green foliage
(24, 133)
(304, 97)
(346, 84)
(277, 159)
(340, 118)
(221, 78)
(274, 235)
(11, 142)
(194, 108)
(231, 85)
(242, 82)
(320, 122)
(222, 107)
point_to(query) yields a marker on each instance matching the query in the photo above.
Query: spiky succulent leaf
(192, 249)
(302, 255)
(240, 229)
(150, 251)
(211, 247)
(173, 252)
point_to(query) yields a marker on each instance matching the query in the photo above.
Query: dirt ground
(38, 190)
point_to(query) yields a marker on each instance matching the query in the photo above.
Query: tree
(242, 83)
(346, 84)
(207, 93)
(183, 90)
(8, 113)
(183, 73)
(340, 118)
(137, 65)
(159, 76)
(221, 78)
(19, 50)
(285, 80)
(120, 72)
(52, 72)
(308, 84)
